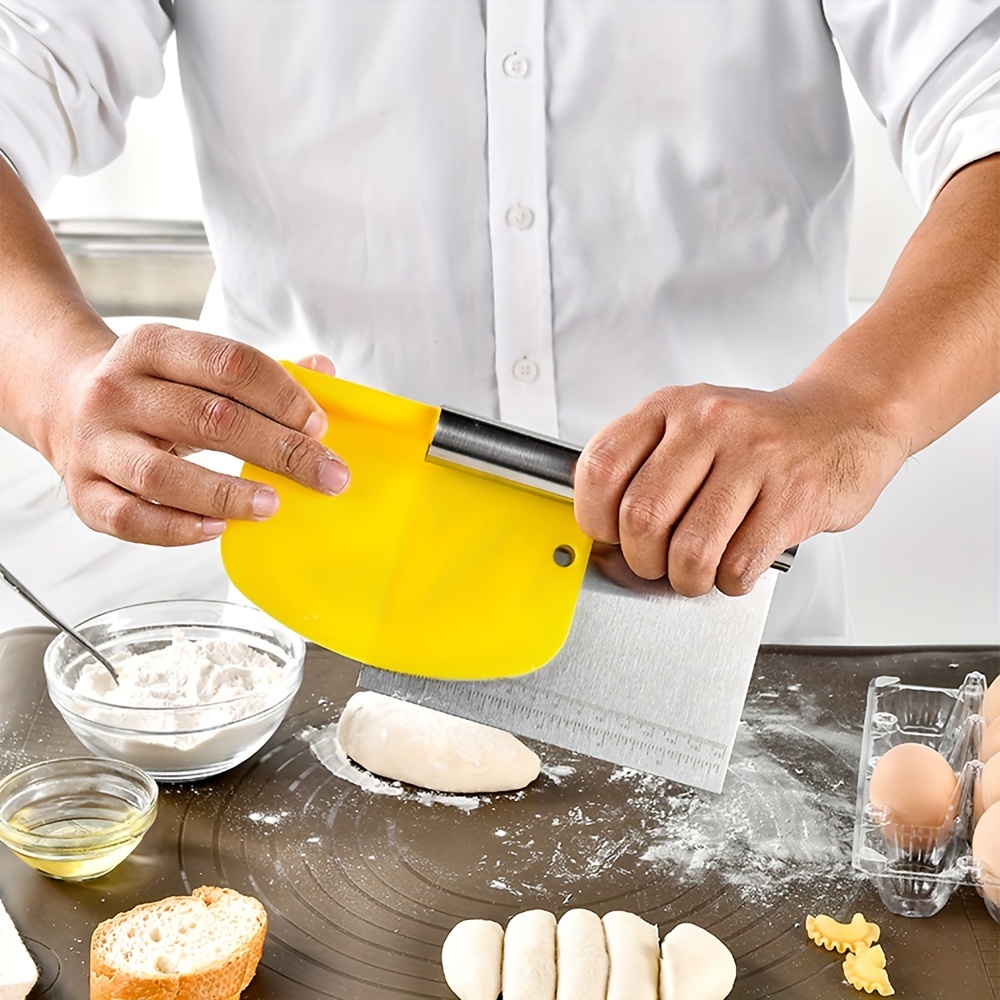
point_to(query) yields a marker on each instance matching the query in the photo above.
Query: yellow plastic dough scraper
(453, 553)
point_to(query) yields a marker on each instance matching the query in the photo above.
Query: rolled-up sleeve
(930, 70)
(69, 71)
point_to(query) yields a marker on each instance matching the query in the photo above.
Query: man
(617, 222)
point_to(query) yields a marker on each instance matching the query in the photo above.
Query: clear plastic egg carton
(916, 869)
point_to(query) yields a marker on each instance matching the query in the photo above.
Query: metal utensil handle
(519, 456)
(501, 450)
(13, 581)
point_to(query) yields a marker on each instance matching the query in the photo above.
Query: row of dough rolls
(584, 957)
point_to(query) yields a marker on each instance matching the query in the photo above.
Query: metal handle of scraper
(519, 456)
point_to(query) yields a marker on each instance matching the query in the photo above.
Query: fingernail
(265, 503)
(333, 475)
(315, 426)
(212, 526)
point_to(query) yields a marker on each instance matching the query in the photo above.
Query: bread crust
(221, 980)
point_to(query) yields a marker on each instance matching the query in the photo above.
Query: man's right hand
(128, 415)
(115, 416)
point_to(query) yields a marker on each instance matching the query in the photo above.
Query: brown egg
(916, 786)
(991, 741)
(987, 790)
(991, 703)
(986, 850)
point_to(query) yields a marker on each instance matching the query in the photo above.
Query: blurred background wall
(924, 566)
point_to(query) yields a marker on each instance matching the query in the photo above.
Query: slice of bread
(205, 946)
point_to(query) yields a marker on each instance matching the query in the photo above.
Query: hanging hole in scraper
(564, 556)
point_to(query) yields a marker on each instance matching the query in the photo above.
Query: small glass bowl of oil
(77, 817)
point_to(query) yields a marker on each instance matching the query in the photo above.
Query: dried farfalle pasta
(865, 970)
(834, 936)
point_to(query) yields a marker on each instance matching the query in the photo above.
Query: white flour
(187, 704)
(187, 672)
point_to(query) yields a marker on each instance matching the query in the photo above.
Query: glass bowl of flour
(202, 685)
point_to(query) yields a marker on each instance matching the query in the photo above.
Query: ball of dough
(695, 965)
(472, 957)
(529, 956)
(633, 956)
(581, 957)
(432, 749)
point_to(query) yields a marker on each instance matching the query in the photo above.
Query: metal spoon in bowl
(9, 578)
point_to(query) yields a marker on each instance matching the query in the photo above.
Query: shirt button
(525, 370)
(515, 65)
(520, 217)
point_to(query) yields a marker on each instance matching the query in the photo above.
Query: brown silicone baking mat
(363, 879)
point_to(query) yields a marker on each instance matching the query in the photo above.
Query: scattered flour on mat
(268, 818)
(556, 772)
(782, 820)
(782, 817)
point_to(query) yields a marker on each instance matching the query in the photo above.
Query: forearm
(927, 352)
(46, 325)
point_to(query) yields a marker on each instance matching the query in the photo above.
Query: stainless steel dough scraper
(646, 679)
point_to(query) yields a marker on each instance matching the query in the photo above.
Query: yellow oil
(79, 847)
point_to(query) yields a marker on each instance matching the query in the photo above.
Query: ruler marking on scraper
(561, 720)
(548, 711)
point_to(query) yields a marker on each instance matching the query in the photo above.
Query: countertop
(363, 879)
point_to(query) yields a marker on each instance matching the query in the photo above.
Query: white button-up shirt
(540, 210)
